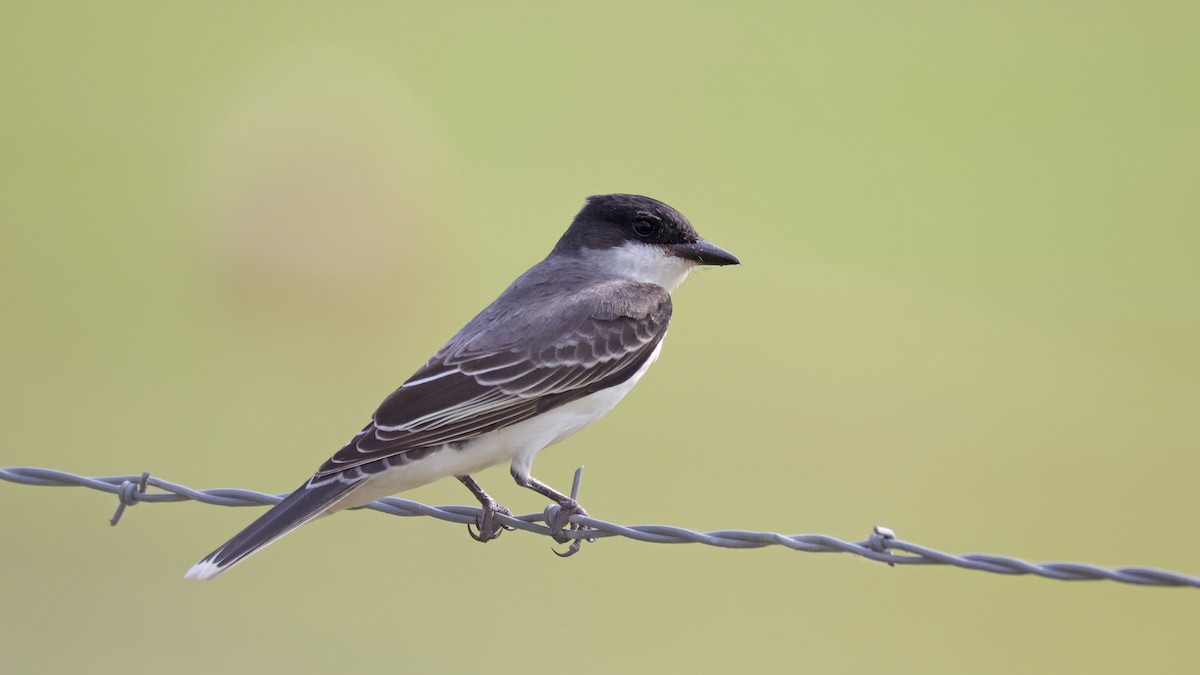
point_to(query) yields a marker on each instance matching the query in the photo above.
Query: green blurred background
(968, 310)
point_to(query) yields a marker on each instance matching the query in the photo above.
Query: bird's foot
(558, 519)
(489, 529)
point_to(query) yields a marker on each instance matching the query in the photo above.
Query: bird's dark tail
(306, 503)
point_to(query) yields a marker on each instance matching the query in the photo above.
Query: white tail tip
(204, 570)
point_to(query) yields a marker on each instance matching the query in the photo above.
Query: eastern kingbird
(559, 347)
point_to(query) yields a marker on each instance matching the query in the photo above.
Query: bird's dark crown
(612, 220)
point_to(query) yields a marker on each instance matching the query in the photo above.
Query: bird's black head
(620, 220)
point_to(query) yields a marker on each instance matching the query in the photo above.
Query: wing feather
(511, 368)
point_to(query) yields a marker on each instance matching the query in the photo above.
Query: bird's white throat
(645, 263)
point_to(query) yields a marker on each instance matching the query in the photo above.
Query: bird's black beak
(705, 253)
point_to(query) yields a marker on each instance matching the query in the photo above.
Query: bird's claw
(571, 550)
(558, 520)
(489, 529)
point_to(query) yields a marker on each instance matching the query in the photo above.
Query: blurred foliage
(967, 310)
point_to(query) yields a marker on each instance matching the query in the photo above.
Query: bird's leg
(567, 507)
(489, 529)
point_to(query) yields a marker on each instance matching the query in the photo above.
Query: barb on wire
(881, 546)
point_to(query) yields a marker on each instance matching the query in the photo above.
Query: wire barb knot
(129, 493)
(877, 542)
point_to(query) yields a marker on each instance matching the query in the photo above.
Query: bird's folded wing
(515, 367)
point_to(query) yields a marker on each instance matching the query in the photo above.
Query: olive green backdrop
(968, 310)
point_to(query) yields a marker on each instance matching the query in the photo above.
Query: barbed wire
(881, 546)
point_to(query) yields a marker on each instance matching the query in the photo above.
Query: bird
(553, 353)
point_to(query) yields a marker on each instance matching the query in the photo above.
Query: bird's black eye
(643, 227)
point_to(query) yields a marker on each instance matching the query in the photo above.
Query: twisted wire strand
(880, 546)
